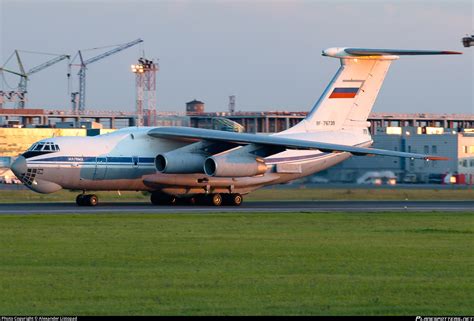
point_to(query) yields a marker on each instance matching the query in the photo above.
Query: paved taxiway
(279, 206)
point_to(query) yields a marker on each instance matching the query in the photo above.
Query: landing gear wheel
(186, 201)
(172, 200)
(87, 200)
(92, 200)
(157, 198)
(216, 199)
(192, 201)
(201, 199)
(235, 199)
(80, 200)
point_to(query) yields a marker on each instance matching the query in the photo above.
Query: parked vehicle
(378, 178)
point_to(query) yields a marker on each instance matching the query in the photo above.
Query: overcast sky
(267, 53)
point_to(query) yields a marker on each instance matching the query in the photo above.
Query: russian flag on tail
(344, 92)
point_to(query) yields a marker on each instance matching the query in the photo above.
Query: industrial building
(458, 146)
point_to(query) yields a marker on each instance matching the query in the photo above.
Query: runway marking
(258, 207)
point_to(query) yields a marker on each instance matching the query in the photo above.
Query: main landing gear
(233, 199)
(162, 199)
(220, 199)
(87, 200)
(216, 199)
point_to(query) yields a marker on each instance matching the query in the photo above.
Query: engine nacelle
(179, 162)
(234, 166)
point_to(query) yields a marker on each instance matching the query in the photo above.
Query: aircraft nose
(19, 166)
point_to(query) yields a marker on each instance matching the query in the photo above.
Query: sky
(266, 53)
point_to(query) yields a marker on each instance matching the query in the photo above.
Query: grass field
(279, 263)
(269, 194)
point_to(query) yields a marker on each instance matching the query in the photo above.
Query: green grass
(269, 194)
(224, 263)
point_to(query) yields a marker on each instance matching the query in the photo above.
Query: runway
(261, 207)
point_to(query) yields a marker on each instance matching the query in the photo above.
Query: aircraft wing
(196, 134)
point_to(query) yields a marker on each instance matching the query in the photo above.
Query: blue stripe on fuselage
(89, 159)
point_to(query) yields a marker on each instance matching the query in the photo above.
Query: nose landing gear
(87, 200)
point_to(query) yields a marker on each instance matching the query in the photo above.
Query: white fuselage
(123, 159)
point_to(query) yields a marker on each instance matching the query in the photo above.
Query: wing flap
(185, 133)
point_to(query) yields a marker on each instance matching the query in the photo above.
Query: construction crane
(24, 75)
(78, 99)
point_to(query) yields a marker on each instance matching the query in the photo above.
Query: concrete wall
(14, 141)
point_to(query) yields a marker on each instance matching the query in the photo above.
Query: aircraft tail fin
(348, 99)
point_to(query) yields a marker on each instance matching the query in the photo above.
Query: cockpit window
(41, 148)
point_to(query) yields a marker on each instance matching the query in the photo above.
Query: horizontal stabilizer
(342, 52)
(397, 52)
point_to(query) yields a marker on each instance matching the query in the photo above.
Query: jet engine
(230, 165)
(179, 162)
(190, 158)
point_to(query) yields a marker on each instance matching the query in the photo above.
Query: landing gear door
(100, 168)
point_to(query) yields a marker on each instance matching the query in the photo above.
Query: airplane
(202, 166)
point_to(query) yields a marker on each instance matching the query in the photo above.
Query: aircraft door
(100, 168)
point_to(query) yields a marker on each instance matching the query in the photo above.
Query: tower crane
(24, 75)
(79, 98)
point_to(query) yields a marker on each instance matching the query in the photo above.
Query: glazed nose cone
(19, 166)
